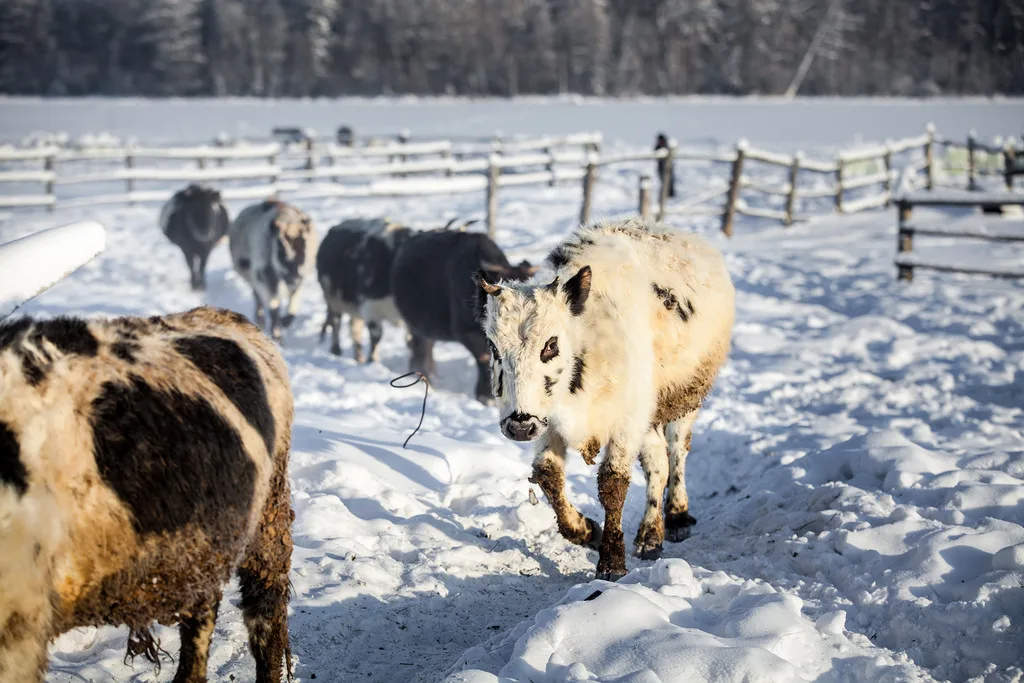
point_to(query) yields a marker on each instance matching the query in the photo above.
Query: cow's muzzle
(521, 427)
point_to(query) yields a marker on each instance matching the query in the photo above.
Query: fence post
(48, 166)
(887, 160)
(644, 208)
(310, 159)
(129, 164)
(588, 188)
(905, 240)
(493, 172)
(201, 163)
(734, 188)
(839, 184)
(550, 166)
(666, 179)
(929, 155)
(1009, 163)
(971, 182)
(273, 174)
(446, 155)
(794, 173)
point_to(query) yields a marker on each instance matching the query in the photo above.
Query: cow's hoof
(336, 350)
(649, 551)
(678, 526)
(595, 533)
(287, 320)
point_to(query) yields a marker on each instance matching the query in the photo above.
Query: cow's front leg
(293, 304)
(549, 475)
(259, 316)
(654, 460)
(612, 484)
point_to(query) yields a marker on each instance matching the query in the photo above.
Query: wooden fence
(307, 169)
(978, 227)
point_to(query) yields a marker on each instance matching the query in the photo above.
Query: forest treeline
(280, 48)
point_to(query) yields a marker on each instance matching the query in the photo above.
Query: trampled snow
(857, 476)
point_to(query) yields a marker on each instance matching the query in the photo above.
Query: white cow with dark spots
(615, 346)
(273, 246)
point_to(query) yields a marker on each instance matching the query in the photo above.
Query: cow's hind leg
(376, 334)
(612, 485)
(654, 460)
(677, 507)
(263, 580)
(26, 612)
(476, 344)
(196, 631)
(549, 475)
(356, 326)
(293, 304)
(421, 357)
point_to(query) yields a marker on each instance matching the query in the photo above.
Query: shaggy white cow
(616, 348)
(273, 243)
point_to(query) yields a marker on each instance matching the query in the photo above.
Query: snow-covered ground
(765, 121)
(857, 476)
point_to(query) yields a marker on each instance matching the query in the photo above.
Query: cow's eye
(550, 350)
(495, 356)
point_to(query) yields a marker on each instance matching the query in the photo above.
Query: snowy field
(772, 122)
(857, 474)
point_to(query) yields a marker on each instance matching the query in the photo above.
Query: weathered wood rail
(973, 227)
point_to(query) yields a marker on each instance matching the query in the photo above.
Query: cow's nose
(519, 427)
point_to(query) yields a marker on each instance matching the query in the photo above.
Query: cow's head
(293, 230)
(204, 212)
(536, 347)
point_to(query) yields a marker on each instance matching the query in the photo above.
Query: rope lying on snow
(420, 377)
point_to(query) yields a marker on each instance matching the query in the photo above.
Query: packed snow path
(861, 460)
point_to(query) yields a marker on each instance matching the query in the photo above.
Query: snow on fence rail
(396, 169)
(34, 263)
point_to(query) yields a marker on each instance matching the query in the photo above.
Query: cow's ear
(480, 278)
(577, 289)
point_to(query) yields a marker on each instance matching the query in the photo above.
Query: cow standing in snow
(616, 349)
(273, 244)
(353, 266)
(142, 462)
(195, 219)
(432, 281)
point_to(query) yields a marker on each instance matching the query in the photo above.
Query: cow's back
(432, 281)
(146, 448)
(249, 237)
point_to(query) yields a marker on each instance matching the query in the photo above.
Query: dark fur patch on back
(70, 336)
(171, 459)
(234, 373)
(559, 257)
(125, 350)
(549, 383)
(12, 469)
(684, 309)
(578, 366)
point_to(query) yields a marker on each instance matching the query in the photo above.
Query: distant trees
(508, 47)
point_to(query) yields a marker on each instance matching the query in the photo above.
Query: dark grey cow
(354, 269)
(432, 283)
(195, 219)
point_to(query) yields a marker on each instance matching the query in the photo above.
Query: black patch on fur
(12, 469)
(234, 373)
(559, 256)
(578, 366)
(172, 459)
(577, 289)
(495, 356)
(549, 382)
(501, 382)
(668, 299)
(689, 307)
(125, 350)
(71, 336)
(244, 263)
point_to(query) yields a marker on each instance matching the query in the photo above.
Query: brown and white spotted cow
(142, 462)
(616, 346)
(273, 244)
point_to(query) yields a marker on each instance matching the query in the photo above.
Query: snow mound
(672, 623)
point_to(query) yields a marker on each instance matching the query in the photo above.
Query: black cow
(195, 219)
(432, 283)
(353, 266)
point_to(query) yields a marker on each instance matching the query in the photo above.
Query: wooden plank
(27, 176)
(910, 260)
(869, 202)
(865, 180)
(962, 198)
(994, 231)
(27, 154)
(8, 201)
(769, 157)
